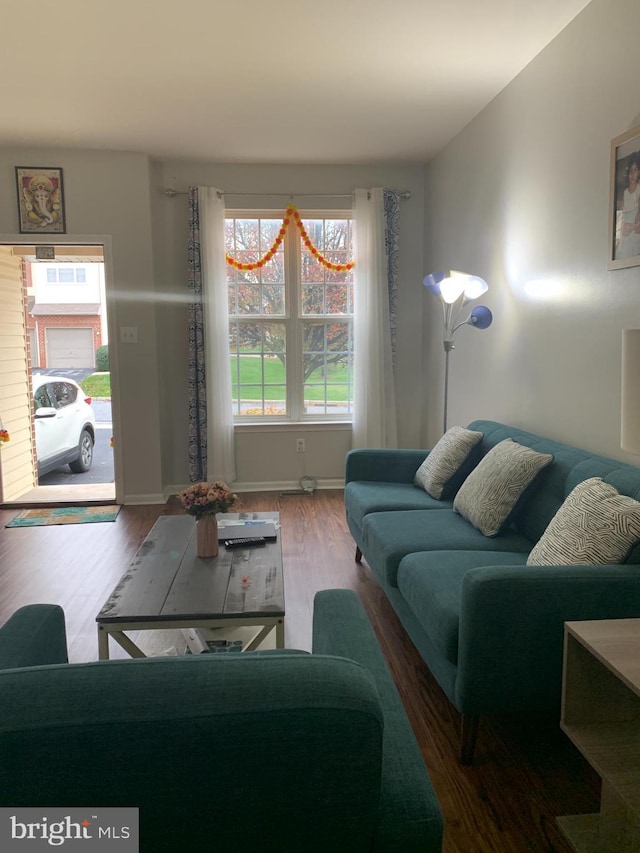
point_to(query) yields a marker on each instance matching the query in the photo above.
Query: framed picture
(624, 203)
(40, 200)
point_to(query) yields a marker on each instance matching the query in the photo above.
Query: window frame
(293, 320)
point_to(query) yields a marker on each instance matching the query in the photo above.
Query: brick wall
(64, 321)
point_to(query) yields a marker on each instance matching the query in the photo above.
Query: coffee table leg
(103, 644)
(280, 634)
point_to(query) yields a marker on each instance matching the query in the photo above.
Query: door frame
(105, 241)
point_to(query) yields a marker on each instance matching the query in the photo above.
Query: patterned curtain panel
(392, 241)
(197, 360)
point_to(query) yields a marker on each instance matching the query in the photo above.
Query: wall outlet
(300, 445)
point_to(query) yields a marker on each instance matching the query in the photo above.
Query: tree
(326, 295)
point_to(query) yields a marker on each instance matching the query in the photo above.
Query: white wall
(107, 194)
(267, 456)
(521, 198)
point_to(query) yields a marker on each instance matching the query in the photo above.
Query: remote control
(248, 542)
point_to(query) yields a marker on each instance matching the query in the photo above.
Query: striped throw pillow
(445, 459)
(595, 525)
(493, 488)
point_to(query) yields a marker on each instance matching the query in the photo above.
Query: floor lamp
(455, 290)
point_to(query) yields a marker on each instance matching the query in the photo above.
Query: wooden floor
(526, 772)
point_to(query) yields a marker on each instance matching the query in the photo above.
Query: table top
(166, 580)
(615, 643)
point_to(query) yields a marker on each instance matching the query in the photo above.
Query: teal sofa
(489, 628)
(270, 751)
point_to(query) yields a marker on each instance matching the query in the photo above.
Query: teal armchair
(271, 751)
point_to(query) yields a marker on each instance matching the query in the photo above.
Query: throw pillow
(595, 524)
(445, 459)
(492, 489)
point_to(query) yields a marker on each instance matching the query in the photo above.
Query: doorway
(54, 335)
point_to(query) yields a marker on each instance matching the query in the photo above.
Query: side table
(601, 715)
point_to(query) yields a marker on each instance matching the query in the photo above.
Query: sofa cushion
(390, 536)
(596, 524)
(431, 584)
(445, 459)
(490, 493)
(362, 498)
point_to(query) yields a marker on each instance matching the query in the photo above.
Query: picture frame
(40, 200)
(624, 201)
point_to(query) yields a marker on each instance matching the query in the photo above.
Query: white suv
(65, 424)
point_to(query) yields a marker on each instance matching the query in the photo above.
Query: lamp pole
(448, 346)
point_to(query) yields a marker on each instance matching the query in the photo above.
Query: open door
(52, 322)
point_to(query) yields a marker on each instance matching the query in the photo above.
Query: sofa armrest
(410, 816)
(34, 636)
(512, 629)
(383, 465)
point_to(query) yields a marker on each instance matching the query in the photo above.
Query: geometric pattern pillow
(445, 459)
(595, 525)
(492, 489)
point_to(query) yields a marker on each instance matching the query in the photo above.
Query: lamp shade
(450, 285)
(630, 406)
(480, 317)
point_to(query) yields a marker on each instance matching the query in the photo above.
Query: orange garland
(290, 212)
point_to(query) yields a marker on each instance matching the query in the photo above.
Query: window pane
(52, 276)
(248, 299)
(312, 299)
(81, 275)
(273, 299)
(260, 291)
(247, 236)
(258, 369)
(269, 229)
(332, 238)
(328, 368)
(65, 275)
(337, 299)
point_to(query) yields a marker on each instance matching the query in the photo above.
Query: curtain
(374, 417)
(211, 439)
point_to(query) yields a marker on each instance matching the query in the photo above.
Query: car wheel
(85, 454)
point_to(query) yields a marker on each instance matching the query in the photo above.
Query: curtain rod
(173, 193)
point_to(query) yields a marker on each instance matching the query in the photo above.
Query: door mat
(64, 515)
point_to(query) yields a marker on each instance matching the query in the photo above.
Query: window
(291, 319)
(63, 394)
(66, 275)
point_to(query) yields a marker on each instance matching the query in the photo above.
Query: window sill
(298, 426)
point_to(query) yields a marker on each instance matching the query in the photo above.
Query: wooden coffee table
(168, 586)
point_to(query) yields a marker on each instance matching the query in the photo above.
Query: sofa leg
(469, 735)
(358, 555)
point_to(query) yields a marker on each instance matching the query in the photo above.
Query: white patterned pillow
(492, 489)
(445, 459)
(595, 525)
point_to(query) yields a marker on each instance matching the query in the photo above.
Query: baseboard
(131, 500)
(281, 486)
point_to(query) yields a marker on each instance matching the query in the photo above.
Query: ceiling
(337, 81)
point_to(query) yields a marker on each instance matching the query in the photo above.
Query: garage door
(70, 348)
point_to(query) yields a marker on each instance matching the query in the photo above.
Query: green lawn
(99, 384)
(274, 379)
